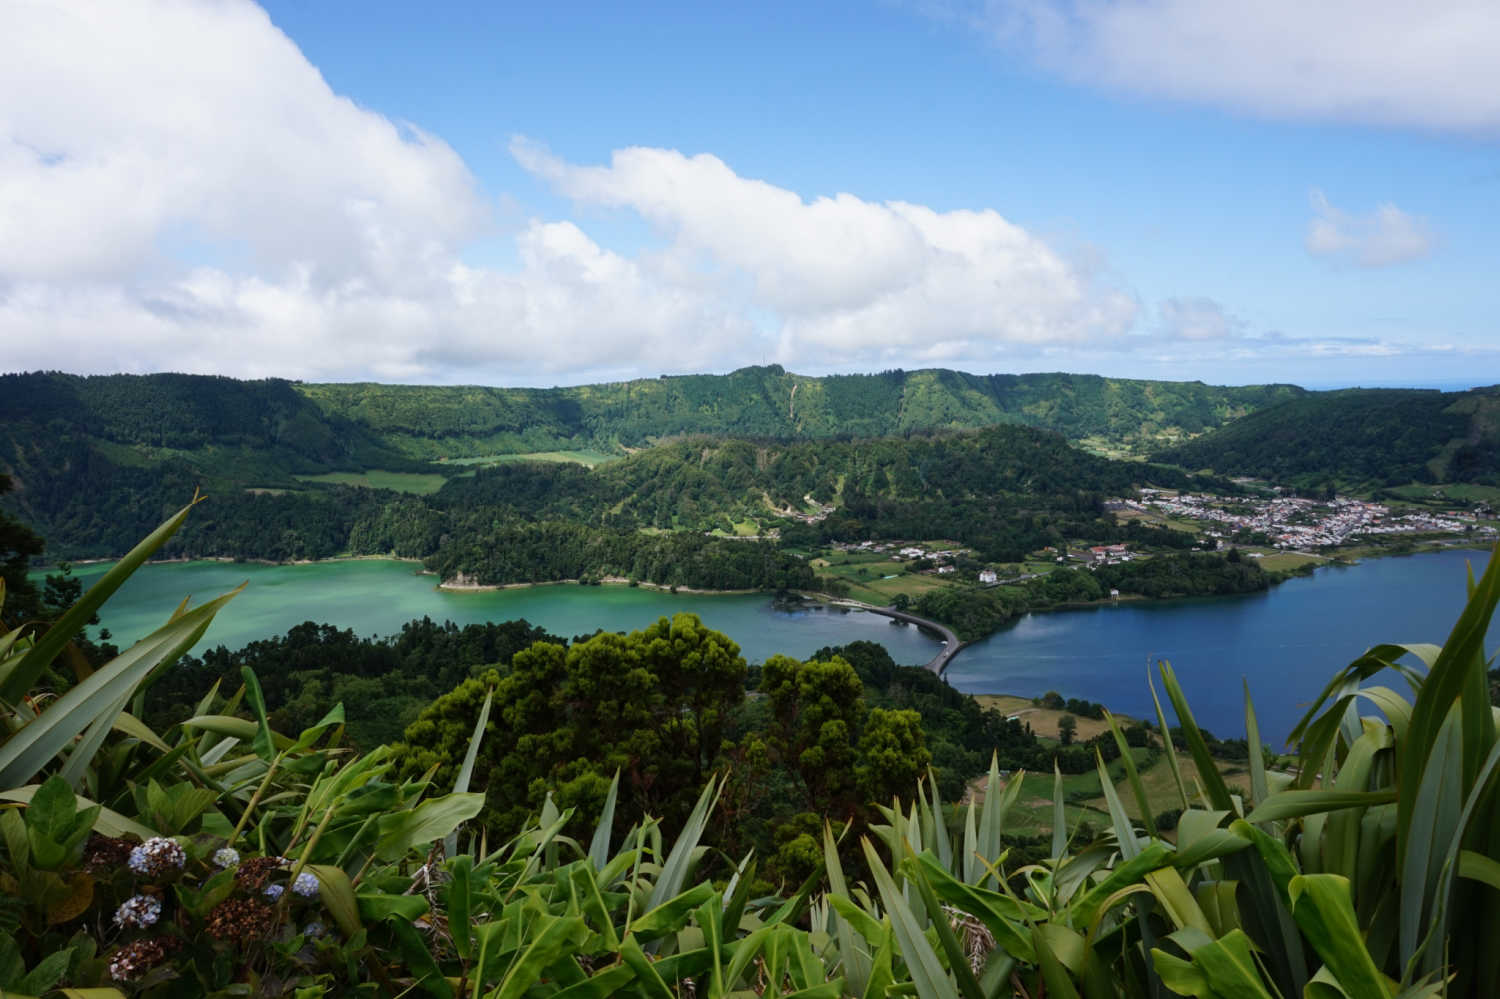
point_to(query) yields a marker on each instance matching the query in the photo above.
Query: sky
(1301, 191)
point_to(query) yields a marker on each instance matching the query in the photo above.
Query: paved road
(951, 643)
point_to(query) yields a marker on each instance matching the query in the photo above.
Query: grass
(1460, 492)
(1154, 518)
(1278, 561)
(1161, 789)
(417, 483)
(874, 588)
(1032, 813)
(1043, 721)
(587, 457)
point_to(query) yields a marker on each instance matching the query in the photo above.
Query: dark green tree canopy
(652, 704)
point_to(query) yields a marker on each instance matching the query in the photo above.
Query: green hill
(270, 451)
(433, 422)
(1359, 438)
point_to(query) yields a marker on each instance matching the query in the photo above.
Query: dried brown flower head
(253, 873)
(241, 919)
(106, 854)
(140, 956)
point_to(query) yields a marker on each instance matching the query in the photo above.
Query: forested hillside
(1003, 491)
(1359, 438)
(431, 421)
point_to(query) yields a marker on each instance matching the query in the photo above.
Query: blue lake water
(1287, 642)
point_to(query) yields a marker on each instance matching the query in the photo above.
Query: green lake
(376, 596)
(1286, 642)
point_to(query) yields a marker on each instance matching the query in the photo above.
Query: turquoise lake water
(1287, 641)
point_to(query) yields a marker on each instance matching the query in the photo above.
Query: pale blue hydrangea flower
(273, 892)
(138, 912)
(314, 929)
(226, 856)
(306, 884)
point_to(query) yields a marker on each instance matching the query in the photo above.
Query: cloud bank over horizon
(202, 200)
(1427, 65)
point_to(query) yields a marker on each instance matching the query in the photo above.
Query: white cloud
(848, 278)
(1198, 319)
(1430, 64)
(180, 189)
(1383, 237)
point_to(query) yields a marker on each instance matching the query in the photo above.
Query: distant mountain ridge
(1358, 438)
(770, 402)
(140, 444)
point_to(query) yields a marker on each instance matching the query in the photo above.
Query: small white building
(988, 576)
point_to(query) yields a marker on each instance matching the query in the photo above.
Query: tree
(819, 710)
(651, 704)
(892, 754)
(901, 601)
(18, 544)
(1067, 725)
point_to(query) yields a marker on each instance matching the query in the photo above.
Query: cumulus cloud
(1383, 237)
(849, 278)
(1429, 64)
(182, 189)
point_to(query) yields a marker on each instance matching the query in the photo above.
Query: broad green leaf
(466, 770)
(1137, 788)
(672, 915)
(1059, 817)
(1258, 789)
(419, 960)
(27, 751)
(1208, 770)
(378, 906)
(337, 894)
(431, 820)
(856, 960)
(599, 845)
(1478, 867)
(1296, 804)
(649, 979)
(19, 676)
(1125, 836)
(547, 939)
(958, 961)
(460, 903)
(109, 823)
(1322, 908)
(1166, 739)
(921, 960)
(237, 728)
(674, 872)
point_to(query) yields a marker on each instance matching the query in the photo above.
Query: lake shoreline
(460, 585)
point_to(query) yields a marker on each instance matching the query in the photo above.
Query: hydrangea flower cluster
(138, 912)
(314, 929)
(140, 956)
(226, 856)
(306, 884)
(273, 892)
(157, 856)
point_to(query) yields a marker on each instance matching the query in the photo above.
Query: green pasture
(587, 457)
(417, 483)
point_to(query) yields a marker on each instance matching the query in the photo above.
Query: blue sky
(558, 193)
